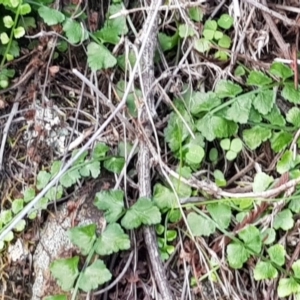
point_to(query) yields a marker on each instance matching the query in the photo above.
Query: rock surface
(54, 242)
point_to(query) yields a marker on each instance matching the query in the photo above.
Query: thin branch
(126, 12)
(145, 119)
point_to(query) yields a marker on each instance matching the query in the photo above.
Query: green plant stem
(87, 262)
(227, 103)
(166, 226)
(270, 126)
(11, 37)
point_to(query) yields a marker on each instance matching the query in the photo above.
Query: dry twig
(144, 115)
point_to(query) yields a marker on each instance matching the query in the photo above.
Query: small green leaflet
(268, 236)
(70, 178)
(143, 212)
(294, 205)
(196, 14)
(168, 42)
(112, 240)
(239, 71)
(261, 182)
(118, 23)
(182, 189)
(236, 145)
(5, 216)
(219, 178)
(100, 151)
(10, 73)
(94, 275)
(252, 238)
(20, 226)
(280, 140)
(210, 28)
(224, 41)
(199, 225)
(274, 117)
(42, 204)
(83, 237)
(99, 57)
(254, 115)
(221, 55)
(289, 93)
(210, 34)
(25, 9)
(55, 168)
(81, 157)
(9, 237)
(17, 205)
(240, 109)
(194, 155)
(19, 32)
(126, 60)
(202, 45)
(113, 28)
(111, 202)
(284, 220)
(43, 178)
(255, 136)
(90, 168)
(211, 25)
(258, 78)
(225, 21)
(54, 193)
(264, 270)
(163, 197)
(225, 89)
(174, 215)
(237, 255)
(281, 70)
(175, 132)
(225, 144)
(171, 235)
(264, 101)
(51, 16)
(213, 127)
(286, 162)
(29, 194)
(221, 214)
(8, 21)
(277, 254)
(293, 116)
(185, 31)
(287, 287)
(114, 164)
(65, 271)
(107, 35)
(213, 155)
(4, 38)
(14, 49)
(296, 268)
(75, 32)
(200, 102)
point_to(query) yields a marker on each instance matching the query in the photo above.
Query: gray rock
(54, 242)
